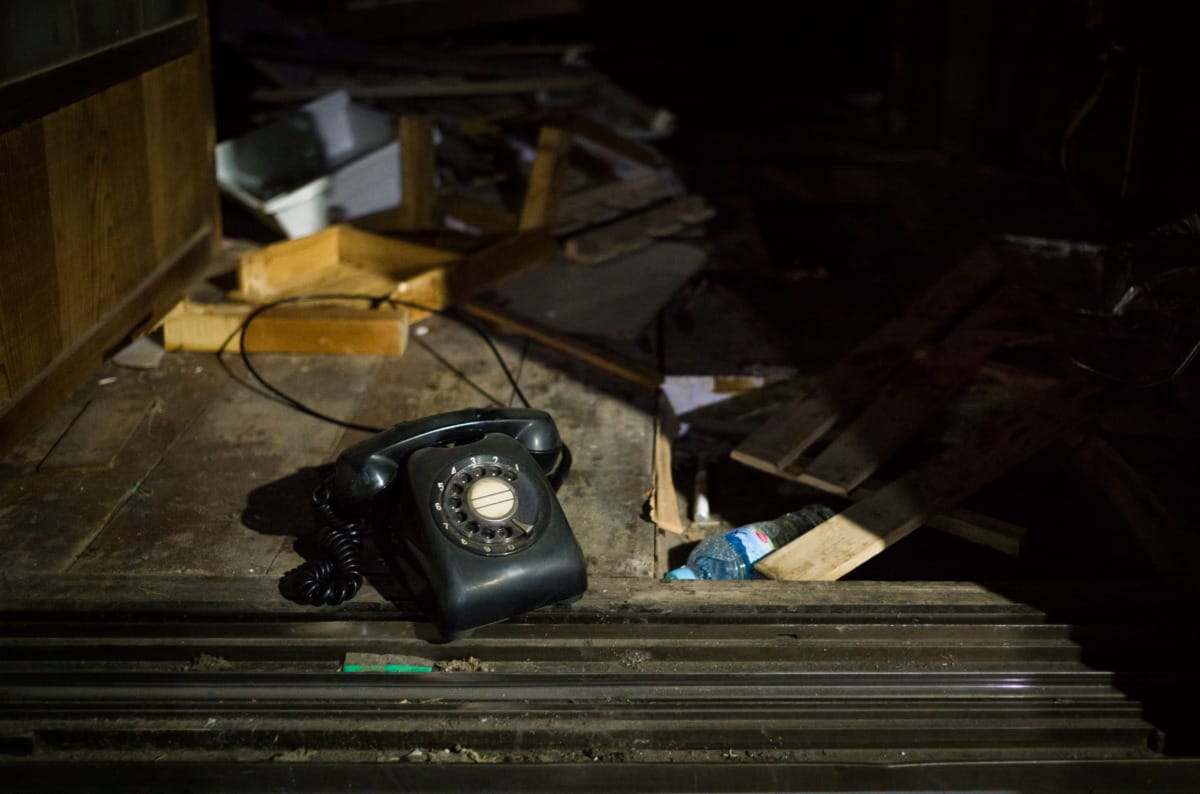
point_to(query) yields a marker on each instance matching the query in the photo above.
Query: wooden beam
(267, 272)
(866, 528)
(387, 256)
(664, 502)
(898, 412)
(418, 172)
(545, 179)
(985, 530)
(208, 327)
(854, 380)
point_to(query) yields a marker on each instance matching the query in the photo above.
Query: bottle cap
(683, 572)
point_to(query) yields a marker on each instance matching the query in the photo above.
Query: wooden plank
(984, 530)
(1003, 536)
(103, 227)
(866, 528)
(331, 280)
(29, 329)
(898, 412)
(418, 172)
(786, 435)
(135, 313)
(602, 359)
(545, 179)
(287, 329)
(637, 231)
(269, 271)
(387, 255)
(98, 434)
(610, 201)
(48, 517)
(664, 502)
(337, 259)
(323, 263)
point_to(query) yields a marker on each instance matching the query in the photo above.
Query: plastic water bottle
(731, 555)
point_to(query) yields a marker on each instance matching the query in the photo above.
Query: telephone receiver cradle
(468, 495)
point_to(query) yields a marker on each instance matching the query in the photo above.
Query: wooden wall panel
(29, 328)
(106, 206)
(96, 164)
(180, 139)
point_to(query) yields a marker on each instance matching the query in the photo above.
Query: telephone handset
(469, 494)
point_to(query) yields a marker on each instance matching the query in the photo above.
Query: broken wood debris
(863, 530)
(879, 396)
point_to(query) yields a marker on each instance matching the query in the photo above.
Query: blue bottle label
(752, 545)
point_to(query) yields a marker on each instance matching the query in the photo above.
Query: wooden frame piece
(545, 179)
(345, 260)
(209, 327)
(337, 259)
(418, 181)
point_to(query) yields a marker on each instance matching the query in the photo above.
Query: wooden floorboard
(47, 518)
(190, 514)
(610, 432)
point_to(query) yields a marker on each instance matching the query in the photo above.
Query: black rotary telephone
(471, 496)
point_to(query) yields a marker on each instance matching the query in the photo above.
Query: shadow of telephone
(470, 496)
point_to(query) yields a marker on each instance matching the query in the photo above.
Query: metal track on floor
(827, 697)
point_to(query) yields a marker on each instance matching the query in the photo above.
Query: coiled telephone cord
(336, 575)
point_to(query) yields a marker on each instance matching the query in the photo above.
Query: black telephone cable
(375, 301)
